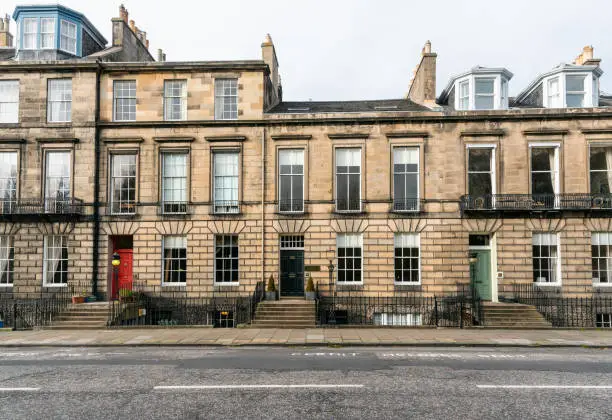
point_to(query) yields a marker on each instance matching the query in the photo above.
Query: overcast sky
(367, 49)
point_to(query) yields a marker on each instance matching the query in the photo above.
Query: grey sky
(362, 49)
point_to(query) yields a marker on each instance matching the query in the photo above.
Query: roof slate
(312, 107)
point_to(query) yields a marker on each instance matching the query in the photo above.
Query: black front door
(292, 273)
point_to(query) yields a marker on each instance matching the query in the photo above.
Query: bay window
(47, 33)
(68, 37)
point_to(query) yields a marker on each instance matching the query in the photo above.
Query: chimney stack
(422, 88)
(123, 14)
(586, 57)
(268, 54)
(133, 26)
(6, 38)
(160, 55)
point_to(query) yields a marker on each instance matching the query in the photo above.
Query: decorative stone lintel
(12, 140)
(214, 139)
(342, 136)
(57, 140)
(122, 140)
(174, 139)
(407, 134)
(291, 137)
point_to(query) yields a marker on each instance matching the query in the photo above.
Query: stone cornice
(216, 139)
(291, 137)
(407, 134)
(174, 139)
(342, 136)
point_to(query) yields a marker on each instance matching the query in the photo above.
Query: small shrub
(310, 284)
(271, 286)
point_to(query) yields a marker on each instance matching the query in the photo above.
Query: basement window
(403, 320)
(603, 320)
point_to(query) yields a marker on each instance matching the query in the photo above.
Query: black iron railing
(141, 310)
(291, 206)
(407, 205)
(174, 207)
(343, 205)
(22, 311)
(536, 202)
(410, 310)
(42, 206)
(225, 207)
(565, 312)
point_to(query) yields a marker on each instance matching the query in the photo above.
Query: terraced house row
(202, 179)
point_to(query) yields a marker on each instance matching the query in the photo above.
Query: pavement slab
(310, 336)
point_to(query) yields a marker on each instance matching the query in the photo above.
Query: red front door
(125, 269)
(122, 278)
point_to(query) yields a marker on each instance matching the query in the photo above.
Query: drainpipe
(263, 205)
(96, 204)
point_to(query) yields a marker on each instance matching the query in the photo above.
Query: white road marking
(271, 386)
(544, 386)
(406, 355)
(324, 354)
(22, 389)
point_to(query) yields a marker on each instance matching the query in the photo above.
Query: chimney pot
(427, 47)
(147, 43)
(123, 13)
(160, 54)
(133, 25)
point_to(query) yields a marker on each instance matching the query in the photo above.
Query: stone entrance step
(512, 315)
(285, 313)
(82, 316)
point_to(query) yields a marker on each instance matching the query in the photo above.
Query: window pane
(484, 86)
(542, 158)
(484, 102)
(480, 184)
(575, 100)
(226, 258)
(574, 83)
(479, 159)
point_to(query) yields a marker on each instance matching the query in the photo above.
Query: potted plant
(310, 288)
(79, 298)
(271, 289)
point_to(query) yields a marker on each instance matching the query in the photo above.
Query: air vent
(386, 107)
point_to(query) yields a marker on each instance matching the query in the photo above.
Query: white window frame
(9, 100)
(359, 237)
(51, 35)
(230, 207)
(67, 37)
(597, 171)
(339, 150)
(557, 147)
(591, 90)
(168, 109)
(61, 85)
(164, 179)
(495, 95)
(50, 204)
(463, 95)
(280, 177)
(7, 244)
(418, 173)
(500, 91)
(4, 208)
(582, 92)
(46, 240)
(165, 239)
(220, 98)
(118, 88)
(493, 148)
(112, 177)
(407, 237)
(35, 33)
(596, 238)
(236, 241)
(558, 266)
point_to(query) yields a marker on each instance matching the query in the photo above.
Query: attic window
(386, 107)
(298, 109)
(570, 90)
(482, 90)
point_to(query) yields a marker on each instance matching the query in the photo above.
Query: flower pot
(78, 299)
(270, 295)
(310, 295)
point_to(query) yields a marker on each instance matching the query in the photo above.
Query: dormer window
(47, 33)
(571, 90)
(30, 33)
(481, 89)
(68, 37)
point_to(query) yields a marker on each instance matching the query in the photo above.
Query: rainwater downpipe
(263, 205)
(95, 255)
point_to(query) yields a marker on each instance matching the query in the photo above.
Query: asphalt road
(305, 383)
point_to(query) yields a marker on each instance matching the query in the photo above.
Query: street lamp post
(331, 319)
(116, 262)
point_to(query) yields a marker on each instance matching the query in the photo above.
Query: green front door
(292, 273)
(480, 272)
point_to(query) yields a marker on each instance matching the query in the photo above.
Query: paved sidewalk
(308, 337)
